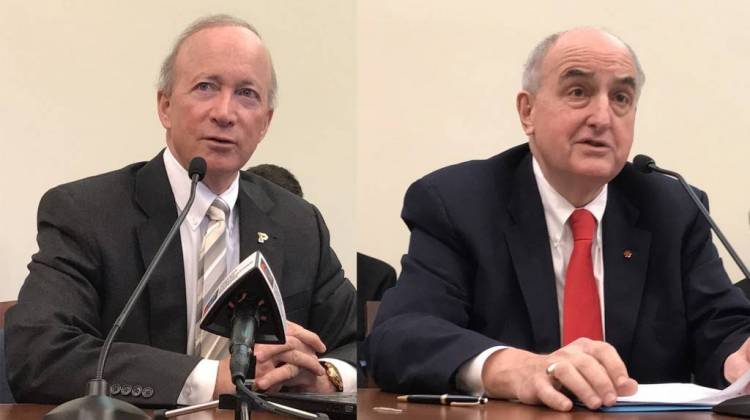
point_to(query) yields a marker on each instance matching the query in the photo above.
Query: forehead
(591, 51)
(223, 49)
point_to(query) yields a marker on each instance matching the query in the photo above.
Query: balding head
(166, 75)
(217, 105)
(531, 79)
(578, 110)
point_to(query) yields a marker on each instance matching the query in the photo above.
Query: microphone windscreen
(197, 167)
(644, 164)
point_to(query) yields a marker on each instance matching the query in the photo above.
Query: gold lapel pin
(627, 254)
(262, 237)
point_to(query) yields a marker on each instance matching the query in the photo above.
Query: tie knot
(583, 225)
(218, 210)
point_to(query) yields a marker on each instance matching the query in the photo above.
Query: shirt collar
(180, 182)
(557, 209)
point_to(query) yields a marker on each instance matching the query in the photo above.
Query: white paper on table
(679, 393)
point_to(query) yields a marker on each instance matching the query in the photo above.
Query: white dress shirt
(557, 210)
(199, 386)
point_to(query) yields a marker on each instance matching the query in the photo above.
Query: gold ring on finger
(293, 370)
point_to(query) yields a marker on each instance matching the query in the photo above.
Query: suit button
(147, 392)
(114, 389)
(136, 392)
(125, 390)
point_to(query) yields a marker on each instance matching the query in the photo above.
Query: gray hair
(532, 78)
(166, 76)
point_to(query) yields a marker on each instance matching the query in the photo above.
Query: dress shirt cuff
(199, 386)
(469, 377)
(348, 373)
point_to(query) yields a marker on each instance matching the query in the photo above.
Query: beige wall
(437, 81)
(79, 98)
(432, 83)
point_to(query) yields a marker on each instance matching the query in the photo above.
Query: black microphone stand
(97, 404)
(738, 406)
(242, 368)
(652, 165)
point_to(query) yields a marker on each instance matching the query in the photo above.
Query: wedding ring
(551, 370)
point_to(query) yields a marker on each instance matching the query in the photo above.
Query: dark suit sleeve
(421, 334)
(332, 314)
(55, 332)
(717, 311)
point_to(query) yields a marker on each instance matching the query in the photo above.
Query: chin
(223, 165)
(599, 170)
(604, 162)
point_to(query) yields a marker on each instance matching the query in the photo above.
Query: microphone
(97, 404)
(197, 167)
(644, 164)
(647, 165)
(247, 308)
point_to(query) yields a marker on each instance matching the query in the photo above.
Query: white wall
(79, 98)
(436, 84)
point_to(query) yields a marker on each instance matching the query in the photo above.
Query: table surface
(368, 398)
(37, 411)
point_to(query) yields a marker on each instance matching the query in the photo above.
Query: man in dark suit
(96, 236)
(503, 292)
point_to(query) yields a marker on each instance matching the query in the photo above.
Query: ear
(525, 108)
(163, 103)
(268, 117)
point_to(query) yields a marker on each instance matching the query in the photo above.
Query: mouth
(594, 143)
(219, 140)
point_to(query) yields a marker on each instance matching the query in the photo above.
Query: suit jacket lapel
(626, 251)
(528, 242)
(254, 204)
(165, 293)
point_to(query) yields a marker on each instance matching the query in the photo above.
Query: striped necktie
(212, 267)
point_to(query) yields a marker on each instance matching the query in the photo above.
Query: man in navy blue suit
(503, 292)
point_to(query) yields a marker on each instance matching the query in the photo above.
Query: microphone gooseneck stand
(97, 404)
(645, 164)
(242, 368)
(738, 406)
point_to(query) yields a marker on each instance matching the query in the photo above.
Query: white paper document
(685, 394)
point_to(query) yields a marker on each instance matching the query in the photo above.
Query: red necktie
(582, 315)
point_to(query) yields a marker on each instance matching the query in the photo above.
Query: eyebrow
(218, 79)
(586, 74)
(629, 81)
(576, 73)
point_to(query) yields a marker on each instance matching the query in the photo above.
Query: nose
(600, 116)
(222, 110)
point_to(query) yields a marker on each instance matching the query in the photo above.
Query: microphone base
(96, 406)
(244, 404)
(739, 406)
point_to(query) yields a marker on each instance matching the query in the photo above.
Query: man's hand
(590, 370)
(294, 364)
(738, 363)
